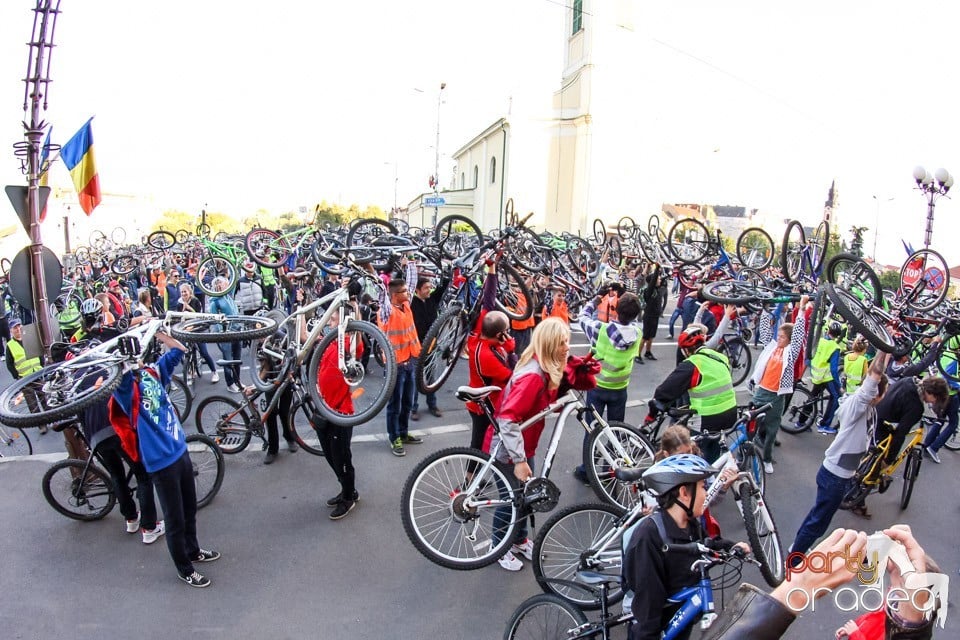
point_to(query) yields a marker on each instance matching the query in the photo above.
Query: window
(463, 179)
(577, 16)
(476, 176)
(493, 170)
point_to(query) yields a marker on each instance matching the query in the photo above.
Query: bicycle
(14, 443)
(801, 260)
(83, 490)
(873, 474)
(804, 410)
(449, 498)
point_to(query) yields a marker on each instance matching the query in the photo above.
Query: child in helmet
(825, 373)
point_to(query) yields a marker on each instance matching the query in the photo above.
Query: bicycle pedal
(885, 483)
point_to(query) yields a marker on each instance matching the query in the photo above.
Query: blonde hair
(674, 437)
(545, 344)
(860, 345)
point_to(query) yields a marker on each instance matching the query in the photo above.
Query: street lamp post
(876, 228)
(436, 163)
(395, 180)
(932, 186)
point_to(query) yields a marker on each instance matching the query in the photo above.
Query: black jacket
(426, 311)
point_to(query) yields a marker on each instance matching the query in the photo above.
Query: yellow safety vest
(715, 393)
(820, 365)
(854, 368)
(24, 365)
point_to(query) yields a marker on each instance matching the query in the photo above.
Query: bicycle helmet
(835, 329)
(670, 473)
(692, 337)
(91, 309)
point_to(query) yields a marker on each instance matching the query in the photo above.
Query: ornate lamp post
(932, 186)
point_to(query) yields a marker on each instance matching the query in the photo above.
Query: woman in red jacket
(531, 389)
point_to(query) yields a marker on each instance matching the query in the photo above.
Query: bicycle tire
(230, 329)
(260, 243)
(648, 246)
(88, 499)
(740, 358)
(748, 457)
(599, 232)
(680, 245)
(856, 276)
(820, 241)
(910, 472)
(212, 267)
(583, 257)
(615, 251)
(230, 435)
(203, 230)
(279, 343)
(368, 398)
(453, 242)
(182, 235)
(161, 240)
(755, 248)
(764, 539)
(859, 489)
(510, 288)
(57, 391)
(560, 546)
(435, 517)
(863, 321)
(602, 458)
(802, 412)
(124, 265)
(180, 397)
(917, 267)
(544, 616)
(818, 316)
(953, 442)
(14, 442)
(82, 255)
(305, 434)
(737, 292)
(525, 249)
(366, 230)
(441, 348)
(625, 227)
(208, 467)
(653, 224)
(791, 251)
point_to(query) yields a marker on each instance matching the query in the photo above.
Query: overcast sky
(278, 105)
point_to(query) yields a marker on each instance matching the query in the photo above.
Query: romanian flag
(77, 154)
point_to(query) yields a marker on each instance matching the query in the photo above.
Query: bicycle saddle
(629, 474)
(474, 394)
(592, 577)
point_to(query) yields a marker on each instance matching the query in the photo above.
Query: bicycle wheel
(14, 443)
(738, 292)
(355, 392)
(456, 234)
(449, 526)
(864, 321)
(302, 427)
(822, 309)
(791, 251)
(625, 227)
(525, 249)
(864, 480)
(82, 255)
(266, 248)
(565, 545)
(762, 535)
(230, 329)
(161, 240)
(740, 358)
(582, 256)
(599, 232)
(182, 235)
(213, 267)
(802, 412)
(207, 460)
(264, 368)
(649, 247)
(614, 251)
(688, 240)
(853, 274)
(441, 348)
(619, 445)
(124, 265)
(910, 472)
(818, 246)
(928, 270)
(364, 231)
(225, 421)
(544, 616)
(748, 457)
(755, 248)
(180, 398)
(513, 294)
(953, 443)
(57, 391)
(78, 495)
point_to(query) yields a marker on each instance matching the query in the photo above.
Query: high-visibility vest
(853, 367)
(402, 333)
(607, 309)
(268, 275)
(520, 309)
(24, 365)
(820, 364)
(615, 364)
(715, 393)
(950, 365)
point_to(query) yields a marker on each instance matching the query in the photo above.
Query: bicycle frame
(697, 601)
(872, 477)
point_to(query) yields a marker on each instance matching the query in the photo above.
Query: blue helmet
(676, 470)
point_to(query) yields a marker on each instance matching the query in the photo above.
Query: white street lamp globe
(942, 175)
(927, 179)
(918, 173)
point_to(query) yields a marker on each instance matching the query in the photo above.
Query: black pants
(270, 293)
(178, 499)
(477, 433)
(283, 409)
(335, 442)
(112, 456)
(899, 431)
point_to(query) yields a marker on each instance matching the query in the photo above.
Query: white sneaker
(768, 468)
(524, 549)
(149, 537)
(133, 525)
(510, 562)
(235, 388)
(215, 378)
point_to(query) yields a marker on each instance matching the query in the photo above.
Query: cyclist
(855, 365)
(191, 303)
(652, 575)
(825, 374)
(938, 435)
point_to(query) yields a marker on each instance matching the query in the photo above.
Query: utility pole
(436, 164)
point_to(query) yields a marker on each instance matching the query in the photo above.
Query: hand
(902, 534)
(799, 590)
(847, 630)
(730, 310)
(744, 547)
(727, 476)
(804, 299)
(522, 471)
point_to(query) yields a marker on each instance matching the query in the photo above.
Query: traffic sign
(21, 276)
(434, 202)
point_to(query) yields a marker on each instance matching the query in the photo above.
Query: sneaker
(524, 549)
(43, 429)
(234, 388)
(581, 475)
(414, 415)
(933, 454)
(670, 336)
(207, 556)
(149, 537)
(342, 509)
(826, 430)
(409, 438)
(133, 525)
(396, 448)
(292, 446)
(269, 458)
(510, 562)
(214, 378)
(639, 360)
(337, 499)
(197, 580)
(768, 468)
(436, 413)
(649, 356)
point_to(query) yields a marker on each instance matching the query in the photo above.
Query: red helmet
(692, 337)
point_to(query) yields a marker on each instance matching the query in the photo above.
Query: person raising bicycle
(653, 576)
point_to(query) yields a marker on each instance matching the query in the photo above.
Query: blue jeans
(615, 403)
(830, 492)
(938, 435)
(431, 401)
(231, 372)
(673, 320)
(833, 400)
(398, 409)
(501, 517)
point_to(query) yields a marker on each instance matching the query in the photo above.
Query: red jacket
(489, 364)
(332, 385)
(526, 395)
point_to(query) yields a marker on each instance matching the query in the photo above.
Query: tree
(889, 279)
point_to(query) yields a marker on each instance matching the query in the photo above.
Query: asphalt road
(289, 572)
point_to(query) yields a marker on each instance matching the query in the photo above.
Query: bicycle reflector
(751, 428)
